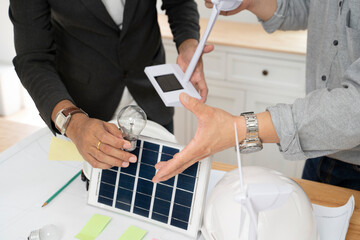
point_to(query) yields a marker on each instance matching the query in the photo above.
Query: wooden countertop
(318, 193)
(248, 35)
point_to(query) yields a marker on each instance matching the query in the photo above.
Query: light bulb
(131, 120)
(48, 232)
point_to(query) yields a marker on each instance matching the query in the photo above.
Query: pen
(62, 188)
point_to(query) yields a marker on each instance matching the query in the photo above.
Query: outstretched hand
(215, 133)
(186, 52)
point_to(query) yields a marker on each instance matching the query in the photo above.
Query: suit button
(323, 78)
(335, 42)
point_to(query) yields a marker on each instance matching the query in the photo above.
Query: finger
(112, 128)
(107, 159)
(208, 4)
(95, 163)
(105, 137)
(208, 48)
(192, 104)
(117, 153)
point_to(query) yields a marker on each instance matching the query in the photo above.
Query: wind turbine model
(258, 197)
(169, 80)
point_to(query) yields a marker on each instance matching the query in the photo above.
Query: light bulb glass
(48, 232)
(131, 120)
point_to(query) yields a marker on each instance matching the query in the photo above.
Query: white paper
(333, 223)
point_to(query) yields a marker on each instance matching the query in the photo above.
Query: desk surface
(247, 35)
(322, 194)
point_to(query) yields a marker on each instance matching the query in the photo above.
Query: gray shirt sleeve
(289, 15)
(325, 122)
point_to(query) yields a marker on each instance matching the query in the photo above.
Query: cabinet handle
(265, 72)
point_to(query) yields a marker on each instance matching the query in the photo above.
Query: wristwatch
(252, 142)
(63, 117)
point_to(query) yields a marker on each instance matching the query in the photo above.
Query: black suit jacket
(72, 49)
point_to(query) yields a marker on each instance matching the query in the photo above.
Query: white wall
(244, 16)
(7, 51)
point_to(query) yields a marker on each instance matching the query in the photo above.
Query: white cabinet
(241, 80)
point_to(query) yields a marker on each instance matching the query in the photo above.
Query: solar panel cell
(161, 206)
(142, 201)
(105, 201)
(159, 217)
(131, 169)
(183, 198)
(146, 171)
(141, 212)
(145, 187)
(181, 213)
(186, 182)
(179, 224)
(123, 206)
(192, 170)
(170, 150)
(124, 195)
(108, 176)
(107, 190)
(126, 181)
(163, 192)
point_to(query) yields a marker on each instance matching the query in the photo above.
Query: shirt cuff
(283, 122)
(277, 19)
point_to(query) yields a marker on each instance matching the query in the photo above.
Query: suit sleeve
(35, 55)
(183, 19)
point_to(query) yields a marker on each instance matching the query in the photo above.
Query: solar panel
(176, 204)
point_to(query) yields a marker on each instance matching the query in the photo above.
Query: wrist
(76, 121)
(189, 43)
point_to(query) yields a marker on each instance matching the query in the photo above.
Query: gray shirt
(327, 120)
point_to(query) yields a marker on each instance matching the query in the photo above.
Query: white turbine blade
(268, 196)
(239, 160)
(242, 218)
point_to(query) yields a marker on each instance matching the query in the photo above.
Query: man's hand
(100, 143)
(86, 133)
(186, 52)
(215, 133)
(263, 9)
(244, 5)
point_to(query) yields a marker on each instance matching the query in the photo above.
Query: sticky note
(62, 150)
(133, 233)
(93, 227)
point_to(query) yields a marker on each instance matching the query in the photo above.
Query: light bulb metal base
(34, 235)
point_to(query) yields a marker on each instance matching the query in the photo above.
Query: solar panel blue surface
(168, 202)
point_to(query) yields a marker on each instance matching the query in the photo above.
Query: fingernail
(132, 159)
(185, 97)
(125, 164)
(127, 145)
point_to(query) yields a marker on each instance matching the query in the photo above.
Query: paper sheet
(333, 223)
(93, 227)
(63, 150)
(133, 233)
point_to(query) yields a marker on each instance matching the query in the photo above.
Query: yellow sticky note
(62, 150)
(133, 233)
(93, 227)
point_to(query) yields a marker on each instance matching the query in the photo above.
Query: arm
(275, 14)
(208, 139)
(35, 66)
(184, 23)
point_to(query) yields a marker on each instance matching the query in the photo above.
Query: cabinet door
(270, 156)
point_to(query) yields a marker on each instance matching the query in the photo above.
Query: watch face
(60, 122)
(250, 146)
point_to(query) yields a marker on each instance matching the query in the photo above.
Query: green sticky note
(133, 233)
(93, 227)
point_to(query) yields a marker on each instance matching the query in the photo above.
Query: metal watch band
(252, 130)
(252, 142)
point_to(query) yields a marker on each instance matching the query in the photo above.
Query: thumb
(208, 48)
(192, 104)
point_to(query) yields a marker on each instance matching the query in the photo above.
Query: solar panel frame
(178, 200)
